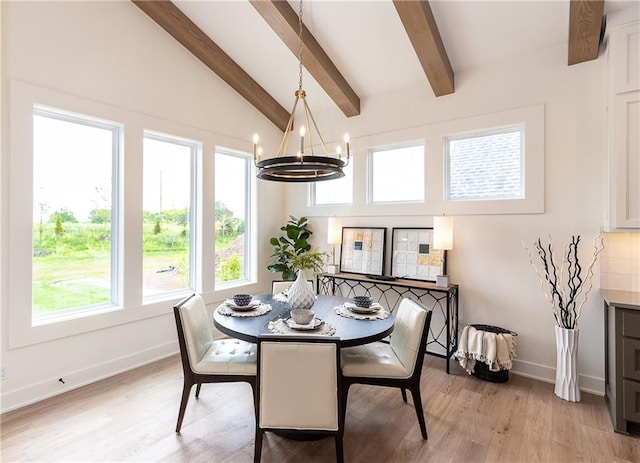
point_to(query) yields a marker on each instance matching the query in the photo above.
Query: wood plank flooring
(132, 417)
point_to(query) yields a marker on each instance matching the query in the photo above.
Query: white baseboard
(75, 379)
(547, 374)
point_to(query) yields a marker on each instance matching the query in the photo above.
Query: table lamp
(334, 236)
(443, 239)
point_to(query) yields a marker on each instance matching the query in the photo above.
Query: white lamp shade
(334, 230)
(443, 232)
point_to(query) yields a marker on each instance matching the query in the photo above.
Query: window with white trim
(396, 174)
(334, 192)
(233, 212)
(75, 201)
(168, 205)
(486, 165)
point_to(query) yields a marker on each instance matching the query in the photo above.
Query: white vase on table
(300, 294)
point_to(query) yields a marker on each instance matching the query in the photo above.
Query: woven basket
(481, 369)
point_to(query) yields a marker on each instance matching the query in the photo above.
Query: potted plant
(292, 256)
(291, 245)
(566, 285)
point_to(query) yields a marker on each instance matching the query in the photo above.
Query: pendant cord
(300, 51)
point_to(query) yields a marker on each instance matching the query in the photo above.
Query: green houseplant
(292, 250)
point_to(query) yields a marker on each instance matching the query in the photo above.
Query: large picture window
(233, 190)
(74, 211)
(167, 213)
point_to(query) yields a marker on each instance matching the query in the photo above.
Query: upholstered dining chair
(394, 364)
(279, 286)
(205, 359)
(298, 388)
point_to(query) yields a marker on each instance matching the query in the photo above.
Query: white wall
(497, 284)
(111, 52)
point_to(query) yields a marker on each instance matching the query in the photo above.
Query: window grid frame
(520, 128)
(195, 147)
(115, 272)
(370, 187)
(249, 264)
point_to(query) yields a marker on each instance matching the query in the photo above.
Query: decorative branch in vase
(566, 285)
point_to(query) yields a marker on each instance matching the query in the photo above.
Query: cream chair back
(279, 286)
(197, 333)
(298, 383)
(407, 332)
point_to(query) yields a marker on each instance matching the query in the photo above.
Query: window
(74, 210)
(233, 190)
(487, 165)
(396, 174)
(332, 192)
(167, 213)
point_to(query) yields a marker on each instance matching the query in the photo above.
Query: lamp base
(442, 280)
(333, 269)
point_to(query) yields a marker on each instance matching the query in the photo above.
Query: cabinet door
(625, 55)
(631, 358)
(626, 153)
(631, 401)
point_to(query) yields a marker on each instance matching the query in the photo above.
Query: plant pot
(301, 294)
(567, 383)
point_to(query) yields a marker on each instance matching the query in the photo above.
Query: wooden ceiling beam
(585, 28)
(421, 27)
(180, 27)
(284, 21)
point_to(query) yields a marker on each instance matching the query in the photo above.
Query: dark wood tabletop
(352, 332)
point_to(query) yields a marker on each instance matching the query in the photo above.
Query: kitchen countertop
(622, 299)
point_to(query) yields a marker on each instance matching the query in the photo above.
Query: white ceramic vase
(567, 384)
(300, 294)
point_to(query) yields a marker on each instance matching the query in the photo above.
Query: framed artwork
(363, 250)
(413, 256)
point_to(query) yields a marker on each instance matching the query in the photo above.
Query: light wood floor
(132, 416)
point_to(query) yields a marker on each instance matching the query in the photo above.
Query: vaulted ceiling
(353, 50)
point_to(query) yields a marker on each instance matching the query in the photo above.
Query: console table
(443, 301)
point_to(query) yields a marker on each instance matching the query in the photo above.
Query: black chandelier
(301, 167)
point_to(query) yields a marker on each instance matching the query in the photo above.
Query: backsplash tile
(620, 262)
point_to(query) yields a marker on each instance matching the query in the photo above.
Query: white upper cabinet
(624, 127)
(625, 53)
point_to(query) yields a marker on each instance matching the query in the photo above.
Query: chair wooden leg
(198, 390)
(339, 449)
(257, 452)
(417, 402)
(404, 394)
(345, 394)
(183, 404)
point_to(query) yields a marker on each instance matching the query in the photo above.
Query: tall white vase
(300, 294)
(567, 384)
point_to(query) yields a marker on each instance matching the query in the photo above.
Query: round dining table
(352, 332)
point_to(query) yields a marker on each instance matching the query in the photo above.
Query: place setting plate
(242, 308)
(314, 325)
(373, 308)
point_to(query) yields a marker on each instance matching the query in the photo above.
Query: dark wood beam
(421, 27)
(181, 28)
(585, 26)
(284, 21)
